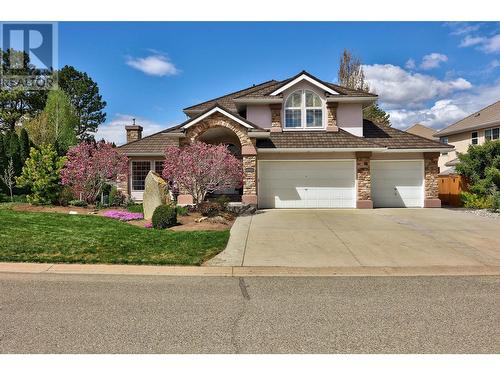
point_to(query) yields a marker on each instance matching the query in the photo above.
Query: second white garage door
(307, 184)
(397, 183)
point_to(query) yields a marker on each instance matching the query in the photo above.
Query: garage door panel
(314, 184)
(397, 183)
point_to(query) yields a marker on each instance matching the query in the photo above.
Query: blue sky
(428, 72)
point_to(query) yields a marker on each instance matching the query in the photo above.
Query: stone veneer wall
(431, 169)
(331, 109)
(364, 178)
(276, 125)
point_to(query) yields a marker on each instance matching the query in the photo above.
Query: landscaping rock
(241, 209)
(218, 220)
(199, 220)
(155, 194)
(73, 213)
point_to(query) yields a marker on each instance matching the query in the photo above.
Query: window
(140, 170)
(159, 166)
(443, 140)
(491, 134)
(303, 109)
(474, 138)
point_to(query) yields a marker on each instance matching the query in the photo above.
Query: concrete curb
(118, 269)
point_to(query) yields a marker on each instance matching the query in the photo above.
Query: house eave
(486, 125)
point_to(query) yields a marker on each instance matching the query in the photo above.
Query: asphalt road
(142, 314)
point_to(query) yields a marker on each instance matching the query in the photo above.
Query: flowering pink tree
(201, 168)
(89, 166)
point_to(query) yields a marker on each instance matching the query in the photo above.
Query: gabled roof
(227, 100)
(393, 138)
(217, 108)
(488, 116)
(264, 91)
(422, 131)
(153, 144)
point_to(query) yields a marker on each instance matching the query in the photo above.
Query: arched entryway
(217, 129)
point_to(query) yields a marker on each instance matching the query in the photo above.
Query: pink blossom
(148, 225)
(201, 168)
(123, 216)
(89, 166)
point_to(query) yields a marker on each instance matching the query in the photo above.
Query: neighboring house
(422, 131)
(475, 129)
(304, 144)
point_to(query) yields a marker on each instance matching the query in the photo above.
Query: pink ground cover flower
(148, 225)
(123, 216)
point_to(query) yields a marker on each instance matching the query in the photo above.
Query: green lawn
(50, 237)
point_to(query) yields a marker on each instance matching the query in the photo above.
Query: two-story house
(475, 129)
(303, 144)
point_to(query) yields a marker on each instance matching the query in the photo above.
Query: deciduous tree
(201, 168)
(56, 124)
(89, 166)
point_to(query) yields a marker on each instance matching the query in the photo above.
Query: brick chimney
(134, 132)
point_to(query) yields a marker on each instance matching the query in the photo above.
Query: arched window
(303, 109)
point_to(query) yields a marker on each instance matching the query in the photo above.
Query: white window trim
(303, 112)
(491, 134)
(152, 167)
(476, 138)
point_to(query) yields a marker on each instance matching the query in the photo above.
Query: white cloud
(491, 45)
(471, 41)
(461, 28)
(114, 130)
(397, 87)
(445, 112)
(433, 60)
(155, 65)
(410, 64)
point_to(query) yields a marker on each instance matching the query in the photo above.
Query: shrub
(65, 196)
(77, 203)
(182, 211)
(41, 175)
(116, 197)
(164, 216)
(135, 208)
(495, 202)
(223, 201)
(210, 209)
(472, 200)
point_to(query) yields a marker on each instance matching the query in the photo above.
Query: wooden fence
(449, 190)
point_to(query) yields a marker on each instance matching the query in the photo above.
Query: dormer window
(303, 110)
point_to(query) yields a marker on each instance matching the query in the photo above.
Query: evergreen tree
(3, 161)
(376, 114)
(24, 143)
(84, 95)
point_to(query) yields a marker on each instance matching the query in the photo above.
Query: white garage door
(307, 184)
(397, 183)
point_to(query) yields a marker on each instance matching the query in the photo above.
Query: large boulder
(155, 194)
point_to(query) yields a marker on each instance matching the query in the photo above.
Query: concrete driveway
(363, 238)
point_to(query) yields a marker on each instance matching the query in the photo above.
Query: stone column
(431, 172)
(276, 125)
(122, 182)
(249, 178)
(363, 177)
(331, 109)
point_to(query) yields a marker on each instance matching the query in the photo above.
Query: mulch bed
(186, 223)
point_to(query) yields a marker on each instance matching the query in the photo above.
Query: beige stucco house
(303, 144)
(474, 129)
